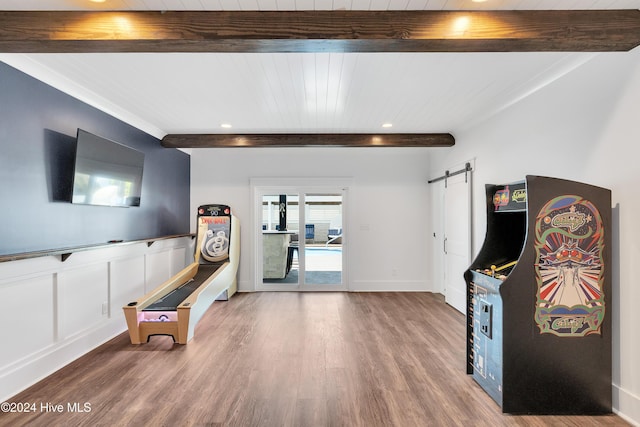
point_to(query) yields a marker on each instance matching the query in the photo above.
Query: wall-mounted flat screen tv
(106, 173)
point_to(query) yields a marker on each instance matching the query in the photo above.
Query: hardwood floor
(287, 359)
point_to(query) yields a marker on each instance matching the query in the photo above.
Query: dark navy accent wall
(37, 132)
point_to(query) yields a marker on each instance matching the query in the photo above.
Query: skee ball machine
(539, 298)
(175, 307)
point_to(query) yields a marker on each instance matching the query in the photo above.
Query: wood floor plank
(288, 359)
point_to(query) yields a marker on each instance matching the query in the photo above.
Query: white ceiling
(164, 93)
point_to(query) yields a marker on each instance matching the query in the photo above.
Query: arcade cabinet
(175, 307)
(539, 298)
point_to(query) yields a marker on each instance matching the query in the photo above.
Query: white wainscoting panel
(55, 311)
(158, 268)
(81, 294)
(178, 257)
(28, 317)
(126, 284)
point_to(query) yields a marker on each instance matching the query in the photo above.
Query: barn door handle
(444, 245)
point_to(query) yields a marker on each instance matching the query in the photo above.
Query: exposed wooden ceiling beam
(308, 140)
(320, 31)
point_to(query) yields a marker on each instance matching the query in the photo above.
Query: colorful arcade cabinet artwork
(175, 307)
(569, 242)
(539, 320)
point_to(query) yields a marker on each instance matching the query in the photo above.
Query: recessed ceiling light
(478, 1)
(97, 1)
(225, 125)
(387, 125)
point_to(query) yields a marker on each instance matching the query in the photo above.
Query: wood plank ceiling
(336, 32)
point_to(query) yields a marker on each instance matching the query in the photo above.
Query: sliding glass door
(300, 239)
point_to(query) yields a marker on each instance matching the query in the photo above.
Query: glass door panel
(322, 259)
(280, 239)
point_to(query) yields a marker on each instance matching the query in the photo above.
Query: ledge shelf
(65, 253)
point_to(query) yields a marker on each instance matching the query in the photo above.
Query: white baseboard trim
(246, 286)
(28, 371)
(388, 286)
(626, 405)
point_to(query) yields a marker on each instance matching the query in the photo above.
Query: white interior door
(457, 239)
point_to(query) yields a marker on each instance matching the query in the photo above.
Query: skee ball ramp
(175, 307)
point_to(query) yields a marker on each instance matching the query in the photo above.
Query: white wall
(388, 204)
(75, 305)
(585, 127)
